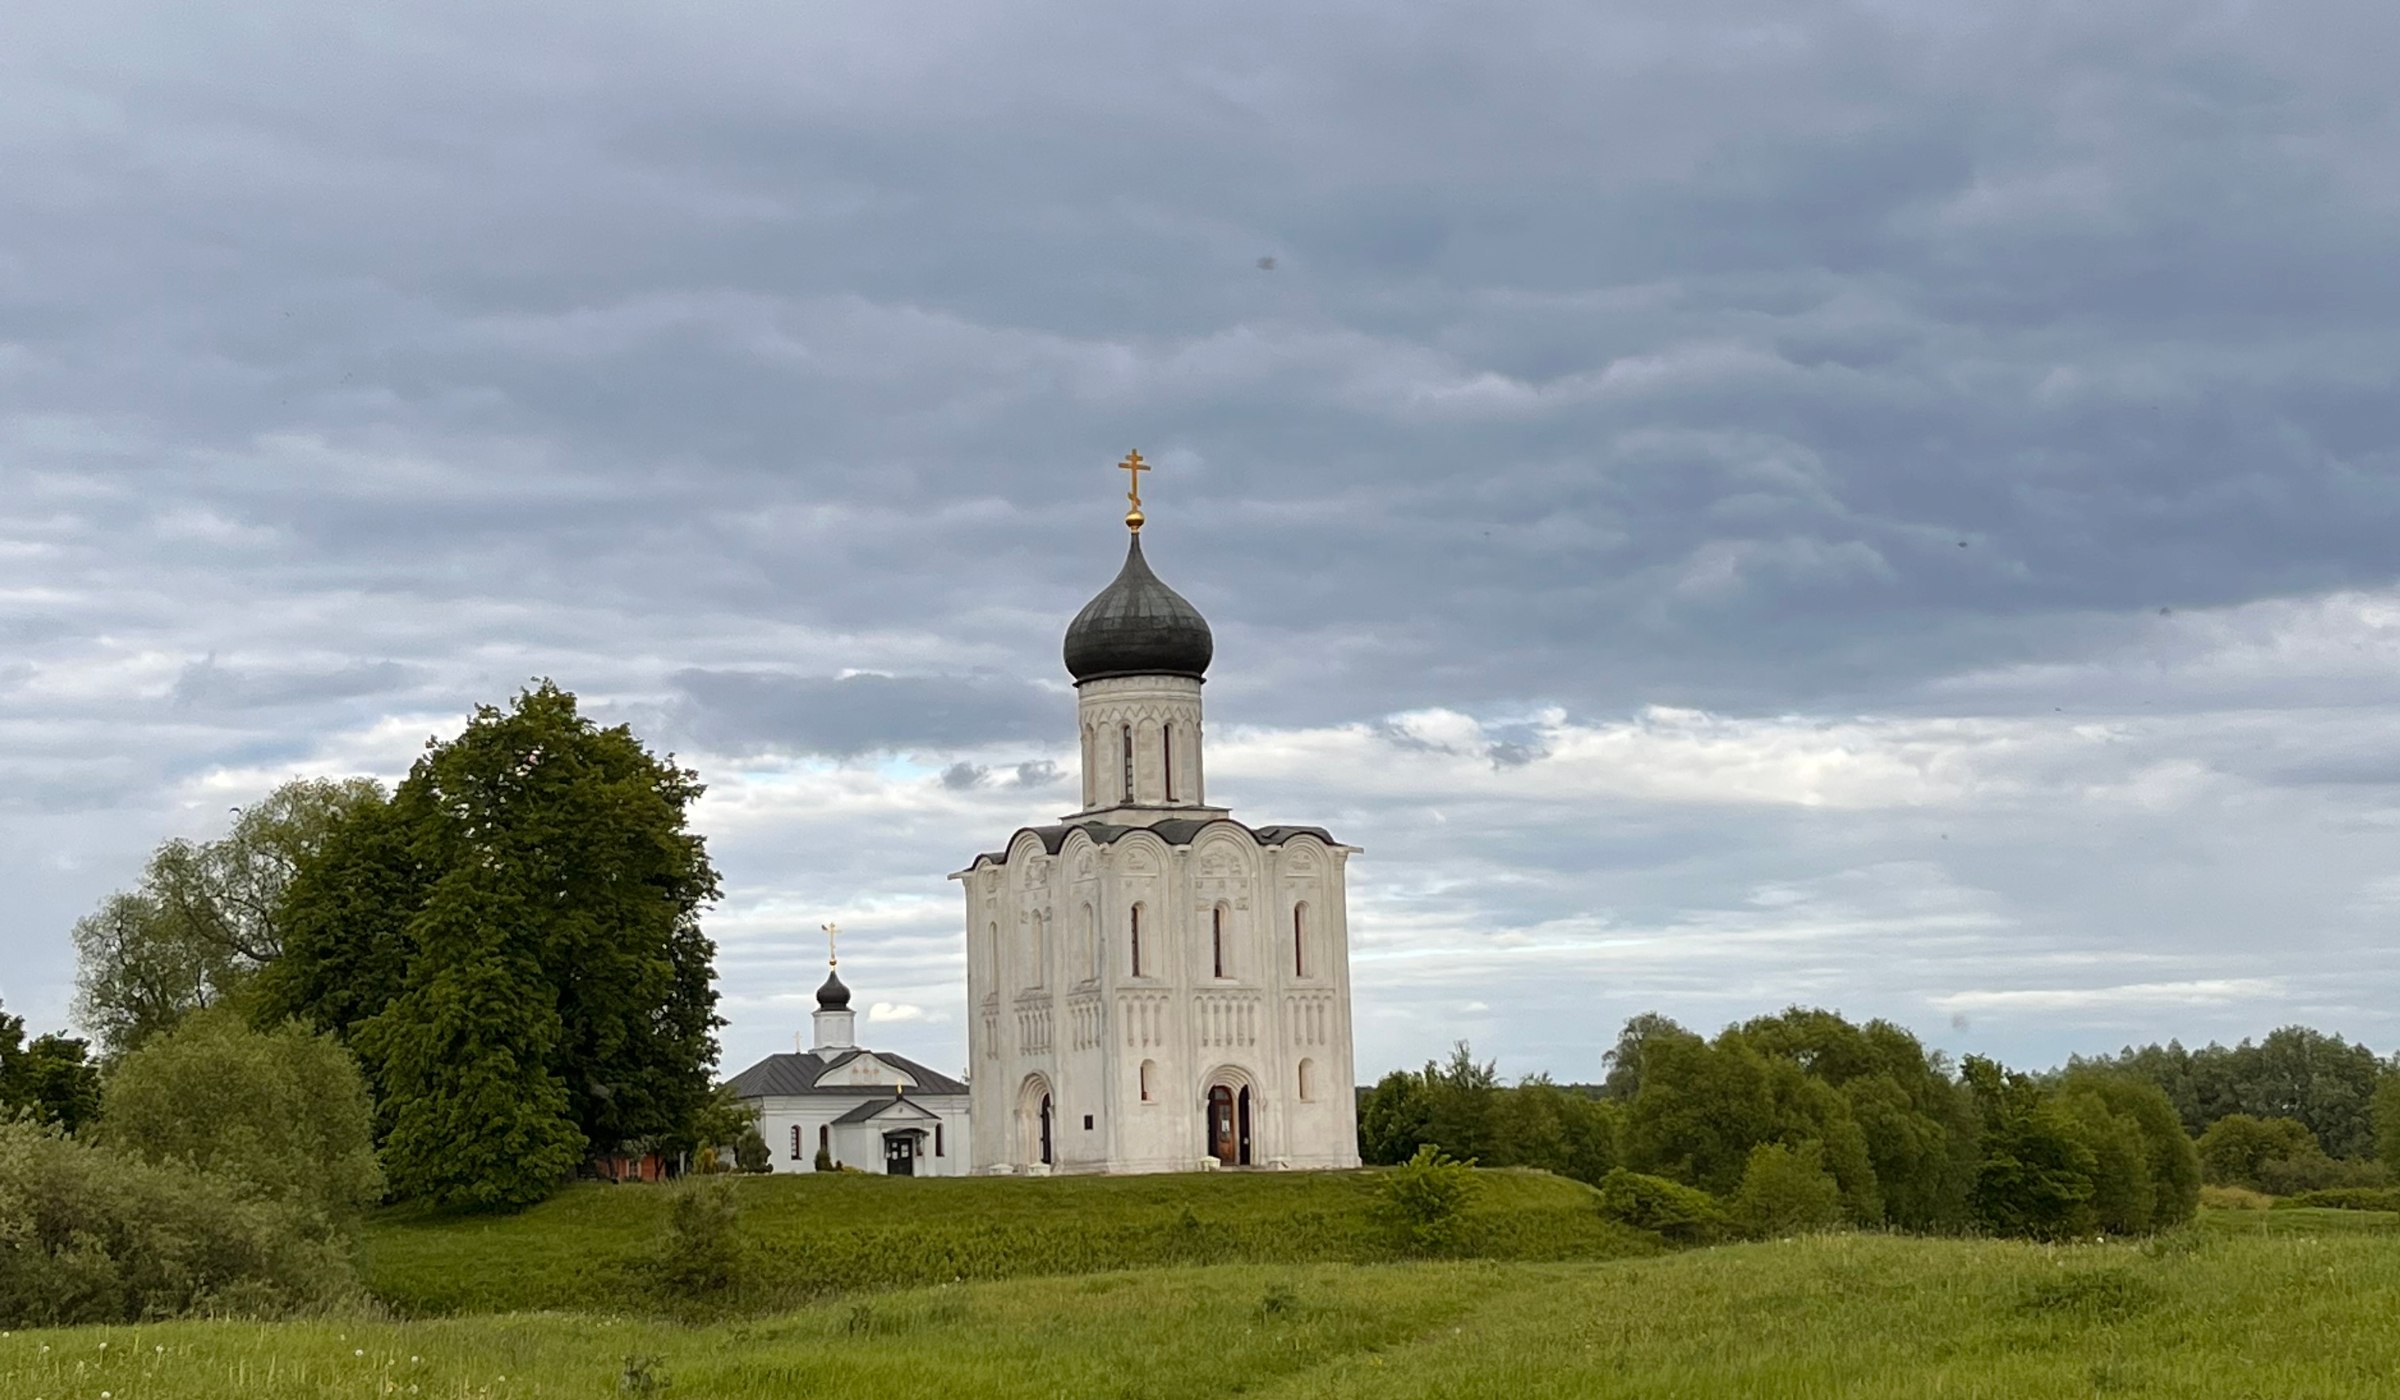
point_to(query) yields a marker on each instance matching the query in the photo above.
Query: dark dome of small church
(1138, 627)
(833, 996)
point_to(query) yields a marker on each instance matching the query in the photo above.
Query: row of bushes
(1805, 1115)
(227, 1172)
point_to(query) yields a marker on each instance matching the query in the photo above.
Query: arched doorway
(1034, 1119)
(1228, 1124)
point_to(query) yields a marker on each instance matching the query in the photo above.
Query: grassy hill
(2290, 1308)
(814, 1235)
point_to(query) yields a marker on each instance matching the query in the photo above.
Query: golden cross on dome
(1133, 466)
(831, 931)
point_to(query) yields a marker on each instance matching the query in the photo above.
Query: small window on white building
(1149, 1075)
(796, 1154)
(1308, 1080)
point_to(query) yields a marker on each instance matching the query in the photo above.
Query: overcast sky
(1892, 506)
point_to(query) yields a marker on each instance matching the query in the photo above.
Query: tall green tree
(205, 916)
(51, 1080)
(2387, 1122)
(513, 945)
(2034, 1175)
(2321, 1081)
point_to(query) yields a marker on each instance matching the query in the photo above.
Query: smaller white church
(862, 1108)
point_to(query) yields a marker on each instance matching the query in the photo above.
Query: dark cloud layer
(755, 371)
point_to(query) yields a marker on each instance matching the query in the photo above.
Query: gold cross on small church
(1133, 466)
(831, 931)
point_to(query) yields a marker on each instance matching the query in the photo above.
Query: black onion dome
(1138, 627)
(833, 996)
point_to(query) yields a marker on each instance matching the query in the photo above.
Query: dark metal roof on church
(1175, 831)
(796, 1075)
(1137, 626)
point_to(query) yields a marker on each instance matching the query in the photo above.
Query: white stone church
(1152, 985)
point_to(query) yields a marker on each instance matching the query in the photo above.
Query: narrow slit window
(1166, 754)
(796, 1143)
(1128, 734)
(937, 1139)
(1217, 937)
(1137, 940)
(1299, 940)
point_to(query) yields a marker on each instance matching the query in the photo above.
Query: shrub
(750, 1151)
(1787, 1191)
(2234, 1198)
(1425, 1199)
(2347, 1198)
(1671, 1210)
(824, 1162)
(701, 1255)
(2237, 1149)
(2314, 1171)
(285, 1113)
(91, 1235)
(2148, 1173)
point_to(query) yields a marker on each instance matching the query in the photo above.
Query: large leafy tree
(51, 1080)
(513, 945)
(2322, 1081)
(205, 916)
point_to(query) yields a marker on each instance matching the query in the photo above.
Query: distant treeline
(1805, 1118)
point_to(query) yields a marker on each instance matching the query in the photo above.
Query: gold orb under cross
(1133, 466)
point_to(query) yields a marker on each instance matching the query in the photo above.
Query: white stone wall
(1058, 1004)
(1155, 720)
(860, 1145)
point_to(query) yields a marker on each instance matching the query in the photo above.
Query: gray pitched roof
(876, 1108)
(796, 1076)
(1175, 831)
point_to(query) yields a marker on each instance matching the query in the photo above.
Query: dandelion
(361, 1351)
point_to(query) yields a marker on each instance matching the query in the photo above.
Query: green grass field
(816, 1235)
(2286, 1303)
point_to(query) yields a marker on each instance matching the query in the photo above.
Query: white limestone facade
(1152, 985)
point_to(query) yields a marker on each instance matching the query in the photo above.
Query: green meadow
(1284, 1287)
(809, 1236)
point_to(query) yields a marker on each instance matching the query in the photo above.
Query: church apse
(1172, 983)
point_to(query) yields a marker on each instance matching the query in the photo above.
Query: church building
(1153, 985)
(869, 1109)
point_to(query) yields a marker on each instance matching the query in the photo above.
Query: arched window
(796, 1143)
(1166, 754)
(1128, 730)
(1300, 939)
(1136, 925)
(1216, 937)
(1308, 1080)
(1091, 944)
(1149, 1080)
(825, 1139)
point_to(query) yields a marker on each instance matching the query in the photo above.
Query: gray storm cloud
(2002, 390)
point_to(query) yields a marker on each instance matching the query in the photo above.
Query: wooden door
(1224, 1133)
(900, 1155)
